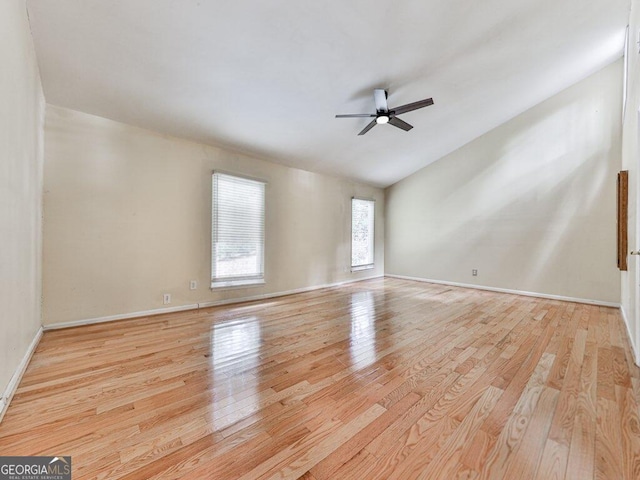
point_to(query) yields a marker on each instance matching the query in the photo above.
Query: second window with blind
(237, 244)
(362, 234)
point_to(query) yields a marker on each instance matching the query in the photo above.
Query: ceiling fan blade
(368, 127)
(356, 115)
(412, 106)
(380, 96)
(396, 122)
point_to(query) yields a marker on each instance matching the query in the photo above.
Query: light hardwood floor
(385, 378)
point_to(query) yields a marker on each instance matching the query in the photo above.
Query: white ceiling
(267, 78)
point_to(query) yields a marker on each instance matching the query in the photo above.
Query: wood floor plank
(328, 466)
(608, 441)
(581, 462)
(447, 458)
(503, 455)
(553, 463)
(564, 415)
(525, 465)
(384, 378)
(360, 466)
(630, 427)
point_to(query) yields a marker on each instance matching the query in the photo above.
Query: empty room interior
(320, 240)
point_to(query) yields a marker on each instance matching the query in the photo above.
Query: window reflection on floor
(363, 332)
(235, 349)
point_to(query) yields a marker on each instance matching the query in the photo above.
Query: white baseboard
(195, 306)
(506, 290)
(123, 316)
(17, 376)
(634, 347)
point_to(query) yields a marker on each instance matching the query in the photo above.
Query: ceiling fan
(385, 115)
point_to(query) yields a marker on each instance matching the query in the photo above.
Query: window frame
(367, 266)
(248, 280)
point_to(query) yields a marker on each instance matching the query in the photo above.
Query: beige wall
(128, 218)
(530, 205)
(21, 124)
(630, 158)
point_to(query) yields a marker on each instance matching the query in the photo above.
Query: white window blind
(362, 233)
(237, 243)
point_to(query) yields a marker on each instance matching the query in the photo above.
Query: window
(362, 233)
(237, 236)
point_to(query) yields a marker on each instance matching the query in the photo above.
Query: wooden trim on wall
(623, 207)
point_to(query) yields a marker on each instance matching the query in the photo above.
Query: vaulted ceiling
(267, 78)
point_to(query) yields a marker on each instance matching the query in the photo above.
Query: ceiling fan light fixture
(384, 115)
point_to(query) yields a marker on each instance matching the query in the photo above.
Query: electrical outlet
(193, 284)
(474, 272)
(166, 299)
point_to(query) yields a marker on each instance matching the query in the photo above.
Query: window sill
(236, 284)
(361, 268)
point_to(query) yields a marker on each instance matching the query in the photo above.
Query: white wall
(531, 205)
(128, 218)
(21, 125)
(630, 158)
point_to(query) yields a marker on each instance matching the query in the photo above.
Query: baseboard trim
(123, 316)
(634, 348)
(510, 291)
(195, 306)
(7, 396)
